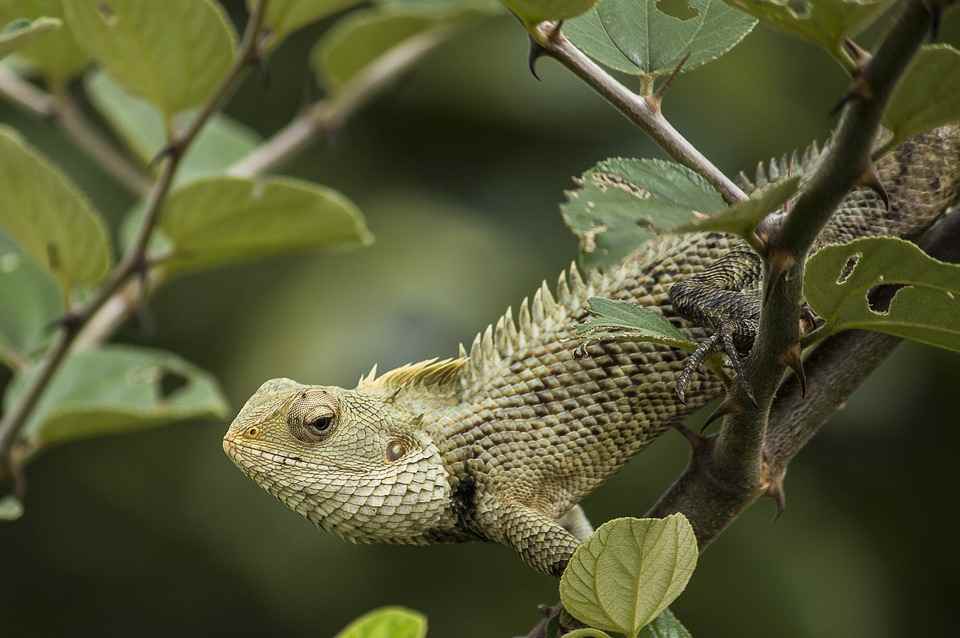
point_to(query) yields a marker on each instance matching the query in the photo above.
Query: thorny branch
(727, 473)
(134, 263)
(643, 111)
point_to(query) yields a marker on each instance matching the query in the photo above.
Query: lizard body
(502, 444)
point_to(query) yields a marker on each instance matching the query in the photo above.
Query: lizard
(501, 443)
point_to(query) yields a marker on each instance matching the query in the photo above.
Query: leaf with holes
(622, 202)
(640, 37)
(116, 389)
(29, 303)
(928, 96)
(840, 280)
(53, 53)
(283, 17)
(173, 53)
(216, 221)
(23, 31)
(48, 217)
(823, 22)
(612, 320)
(629, 571)
(742, 218)
(387, 622)
(222, 141)
(362, 38)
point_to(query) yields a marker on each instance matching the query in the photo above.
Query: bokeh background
(460, 168)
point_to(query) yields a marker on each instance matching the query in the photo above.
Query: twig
(134, 262)
(61, 108)
(642, 111)
(728, 473)
(68, 113)
(327, 115)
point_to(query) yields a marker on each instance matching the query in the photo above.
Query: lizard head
(351, 461)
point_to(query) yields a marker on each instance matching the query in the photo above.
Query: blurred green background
(459, 169)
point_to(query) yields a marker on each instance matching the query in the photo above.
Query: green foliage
(588, 632)
(222, 141)
(360, 39)
(629, 571)
(612, 320)
(10, 508)
(116, 389)
(742, 218)
(173, 53)
(55, 53)
(25, 324)
(220, 220)
(23, 31)
(928, 96)
(48, 217)
(639, 37)
(621, 201)
(387, 622)
(283, 17)
(839, 278)
(533, 11)
(665, 625)
(823, 22)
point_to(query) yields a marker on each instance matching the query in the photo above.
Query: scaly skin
(500, 445)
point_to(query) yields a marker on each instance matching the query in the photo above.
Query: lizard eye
(320, 425)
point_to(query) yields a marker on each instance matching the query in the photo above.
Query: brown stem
(135, 260)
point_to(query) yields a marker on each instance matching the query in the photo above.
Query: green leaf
(838, 279)
(621, 201)
(365, 36)
(222, 141)
(54, 53)
(823, 22)
(215, 221)
(629, 571)
(928, 96)
(612, 320)
(666, 625)
(742, 218)
(116, 389)
(533, 11)
(173, 53)
(48, 217)
(29, 302)
(286, 16)
(10, 508)
(387, 622)
(20, 32)
(639, 37)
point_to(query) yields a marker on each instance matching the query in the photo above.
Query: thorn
(935, 9)
(859, 90)
(775, 490)
(695, 440)
(537, 51)
(808, 321)
(726, 407)
(167, 151)
(778, 263)
(870, 179)
(656, 99)
(861, 57)
(793, 360)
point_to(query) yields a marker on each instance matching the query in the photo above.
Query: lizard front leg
(724, 298)
(541, 541)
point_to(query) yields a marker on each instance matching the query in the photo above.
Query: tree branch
(327, 115)
(134, 262)
(642, 111)
(728, 473)
(61, 108)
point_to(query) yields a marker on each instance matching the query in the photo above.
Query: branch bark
(134, 262)
(728, 473)
(642, 111)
